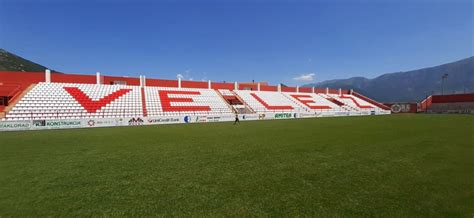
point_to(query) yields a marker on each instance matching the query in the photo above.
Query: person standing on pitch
(237, 119)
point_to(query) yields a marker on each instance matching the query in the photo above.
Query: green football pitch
(396, 165)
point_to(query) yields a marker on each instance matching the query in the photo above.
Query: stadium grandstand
(453, 103)
(37, 99)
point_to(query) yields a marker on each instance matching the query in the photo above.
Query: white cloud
(188, 75)
(305, 77)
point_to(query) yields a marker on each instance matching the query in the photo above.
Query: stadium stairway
(143, 96)
(2, 112)
(335, 101)
(371, 101)
(248, 108)
(265, 101)
(219, 93)
(351, 101)
(13, 101)
(312, 102)
(304, 107)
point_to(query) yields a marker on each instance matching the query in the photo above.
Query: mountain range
(12, 62)
(411, 86)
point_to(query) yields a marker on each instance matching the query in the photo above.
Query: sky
(294, 42)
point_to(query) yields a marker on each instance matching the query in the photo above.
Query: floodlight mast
(443, 78)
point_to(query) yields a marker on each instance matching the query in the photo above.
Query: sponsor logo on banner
(106, 122)
(56, 124)
(400, 108)
(135, 122)
(283, 115)
(39, 122)
(63, 123)
(187, 119)
(213, 119)
(201, 119)
(163, 120)
(15, 125)
(91, 122)
(250, 117)
(102, 122)
(261, 116)
(309, 115)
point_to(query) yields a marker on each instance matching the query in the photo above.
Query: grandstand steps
(333, 100)
(17, 98)
(355, 104)
(349, 107)
(8, 92)
(2, 113)
(297, 103)
(250, 109)
(226, 102)
(371, 101)
(340, 104)
(333, 105)
(145, 113)
(241, 109)
(327, 98)
(3, 101)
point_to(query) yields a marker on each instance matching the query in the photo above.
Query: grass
(404, 165)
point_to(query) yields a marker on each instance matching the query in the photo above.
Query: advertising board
(57, 124)
(159, 120)
(15, 125)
